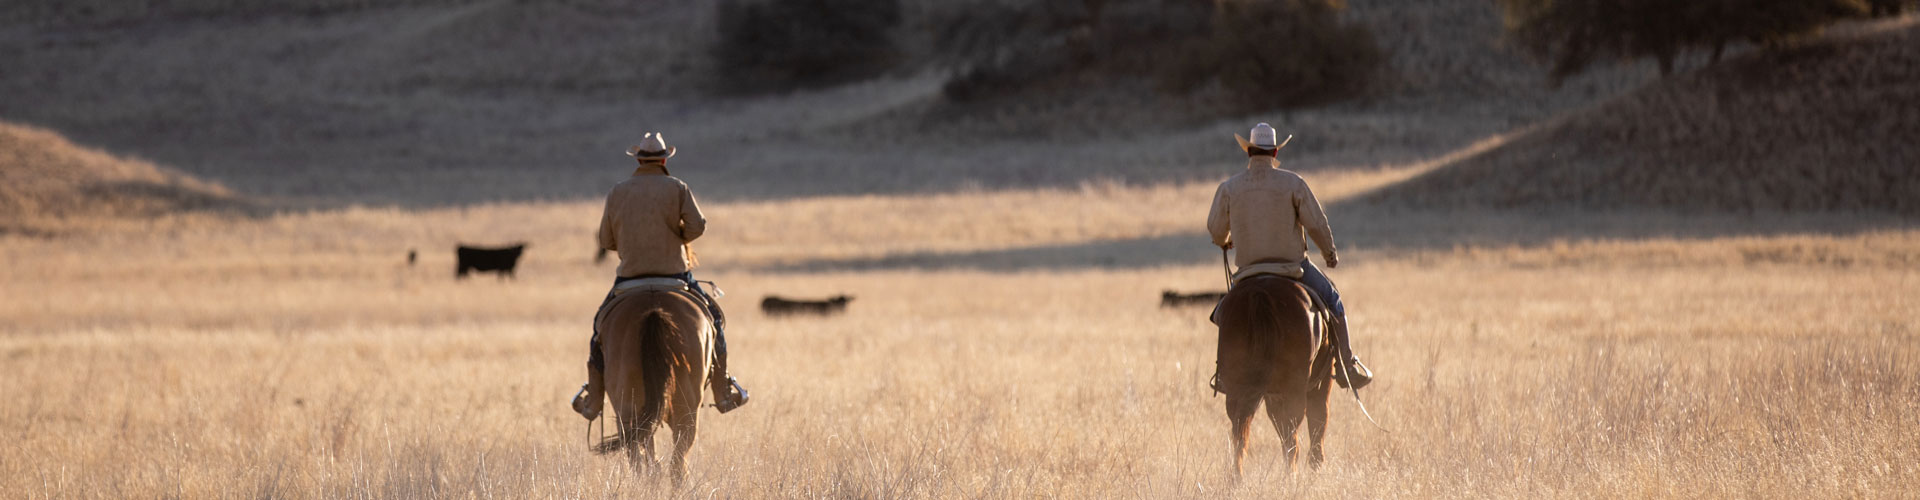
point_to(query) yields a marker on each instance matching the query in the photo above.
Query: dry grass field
(206, 209)
(989, 353)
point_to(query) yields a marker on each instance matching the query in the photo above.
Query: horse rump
(655, 358)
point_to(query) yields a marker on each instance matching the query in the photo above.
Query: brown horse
(1272, 349)
(655, 362)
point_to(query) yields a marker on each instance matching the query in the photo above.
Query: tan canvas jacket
(649, 220)
(1268, 213)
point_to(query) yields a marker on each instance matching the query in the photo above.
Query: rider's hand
(1227, 246)
(1333, 259)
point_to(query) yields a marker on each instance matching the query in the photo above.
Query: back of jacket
(1267, 213)
(648, 220)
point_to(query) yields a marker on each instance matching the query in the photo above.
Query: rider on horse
(649, 220)
(1263, 212)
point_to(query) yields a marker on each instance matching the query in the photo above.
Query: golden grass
(297, 356)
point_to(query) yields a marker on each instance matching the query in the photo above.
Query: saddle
(669, 284)
(651, 284)
(1319, 306)
(1289, 270)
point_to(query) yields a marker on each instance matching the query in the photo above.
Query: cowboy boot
(727, 393)
(587, 402)
(1351, 373)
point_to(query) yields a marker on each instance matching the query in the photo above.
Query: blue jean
(1316, 280)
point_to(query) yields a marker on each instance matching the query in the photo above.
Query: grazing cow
(500, 260)
(1171, 298)
(776, 306)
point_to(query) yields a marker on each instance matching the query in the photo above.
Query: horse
(1272, 348)
(656, 360)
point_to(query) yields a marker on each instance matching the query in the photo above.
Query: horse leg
(1316, 428)
(686, 424)
(683, 416)
(646, 445)
(1320, 387)
(638, 441)
(1240, 409)
(626, 411)
(1285, 411)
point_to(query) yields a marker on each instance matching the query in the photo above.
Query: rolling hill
(43, 177)
(436, 103)
(1831, 125)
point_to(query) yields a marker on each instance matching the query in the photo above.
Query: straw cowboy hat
(1262, 138)
(652, 146)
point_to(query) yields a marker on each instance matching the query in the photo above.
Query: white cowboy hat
(652, 146)
(1262, 138)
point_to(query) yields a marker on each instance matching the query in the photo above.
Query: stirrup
(1361, 375)
(582, 406)
(734, 398)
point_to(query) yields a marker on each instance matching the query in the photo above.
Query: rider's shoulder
(1289, 177)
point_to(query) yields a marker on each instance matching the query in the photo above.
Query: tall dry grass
(298, 356)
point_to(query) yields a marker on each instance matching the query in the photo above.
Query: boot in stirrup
(587, 402)
(727, 394)
(1358, 373)
(1351, 373)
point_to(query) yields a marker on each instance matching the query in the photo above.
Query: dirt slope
(45, 177)
(1830, 126)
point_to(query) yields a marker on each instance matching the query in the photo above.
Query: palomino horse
(1272, 349)
(655, 362)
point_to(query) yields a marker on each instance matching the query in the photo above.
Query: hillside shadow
(1374, 231)
(1385, 229)
(1137, 253)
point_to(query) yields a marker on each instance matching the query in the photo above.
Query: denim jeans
(1316, 280)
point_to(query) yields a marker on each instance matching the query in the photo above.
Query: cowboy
(1263, 212)
(649, 221)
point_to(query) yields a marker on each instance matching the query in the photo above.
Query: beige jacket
(650, 218)
(1268, 213)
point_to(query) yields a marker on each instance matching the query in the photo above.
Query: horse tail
(655, 367)
(1261, 325)
(654, 357)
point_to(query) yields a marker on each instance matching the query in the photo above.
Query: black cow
(775, 306)
(1171, 298)
(500, 260)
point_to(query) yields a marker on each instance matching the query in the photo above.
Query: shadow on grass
(1380, 232)
(1139, 253)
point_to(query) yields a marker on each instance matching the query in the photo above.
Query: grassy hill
(323, 102)
(45, 177)
(1828, 126)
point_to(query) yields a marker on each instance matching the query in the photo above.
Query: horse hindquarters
(639, 405)
(1242, 370)
(1265, 354)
